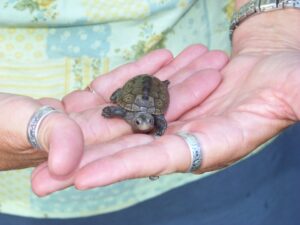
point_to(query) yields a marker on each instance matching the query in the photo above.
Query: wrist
(267, 32)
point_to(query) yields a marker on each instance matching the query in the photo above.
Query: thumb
(62, 138)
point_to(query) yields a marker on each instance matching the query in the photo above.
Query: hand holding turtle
(193, 75)
(257, 98)
(245, 111)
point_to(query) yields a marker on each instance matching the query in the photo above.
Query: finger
(39, 168)
(149, 64)
(97, 129)
(214, 60)
(80, 100)
(162, 156)
(63, 139)
(191, 92)
(44, 183)
(187, 56)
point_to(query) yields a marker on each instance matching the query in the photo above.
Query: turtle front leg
(160, 125)
(113, 111)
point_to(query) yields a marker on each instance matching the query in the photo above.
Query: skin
(193, 75)
(16, 152)
(252, 99)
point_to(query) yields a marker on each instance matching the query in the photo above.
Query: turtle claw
(107, 112)
(159, 132)
(160, 125)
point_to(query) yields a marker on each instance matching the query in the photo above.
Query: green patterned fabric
(52, 47)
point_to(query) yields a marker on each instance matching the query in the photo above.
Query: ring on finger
(195, 149)
(34, 125)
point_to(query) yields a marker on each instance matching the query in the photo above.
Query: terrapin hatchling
(141, 102)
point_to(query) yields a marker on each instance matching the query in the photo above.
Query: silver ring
(34, 125)
(195, 150)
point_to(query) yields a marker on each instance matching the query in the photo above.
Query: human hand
(58, 135)
(247, 109)
(250, 106)
(194, 74)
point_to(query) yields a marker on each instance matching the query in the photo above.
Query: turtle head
(143, 122)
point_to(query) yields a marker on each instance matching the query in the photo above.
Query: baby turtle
(142, 102)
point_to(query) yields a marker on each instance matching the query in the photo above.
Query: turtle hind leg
(160, 125)
(113, 111)
(115, 95)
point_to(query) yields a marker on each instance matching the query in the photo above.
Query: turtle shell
(144, 93)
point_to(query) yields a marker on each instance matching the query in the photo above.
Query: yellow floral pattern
(229, 9)
(44, 4)
(41, 10)
(23, 44)
(103, 10)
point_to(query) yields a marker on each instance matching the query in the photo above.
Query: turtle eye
(137, 122)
